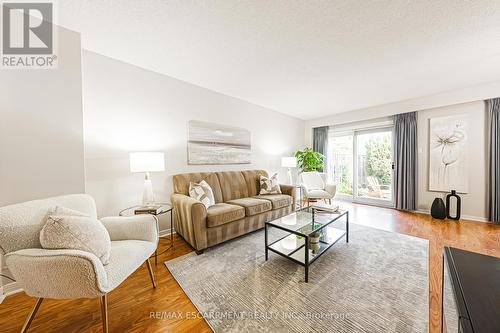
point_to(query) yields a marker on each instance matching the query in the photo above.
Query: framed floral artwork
(448, 154)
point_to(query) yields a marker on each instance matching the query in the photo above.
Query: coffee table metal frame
(320, 226)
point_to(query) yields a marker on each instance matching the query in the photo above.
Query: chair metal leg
(151, 273)
(31, 316)
(104, 313)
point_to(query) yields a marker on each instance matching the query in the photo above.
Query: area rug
(375, 283)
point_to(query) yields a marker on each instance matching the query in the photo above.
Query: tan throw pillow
(203, 192)
(76, 232)
(269, 185)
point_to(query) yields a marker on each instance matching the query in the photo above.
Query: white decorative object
(289, 163)
(269, 185)
(210, 143)
(202, 192)
(147, 162)
(76, 232)
(69, 273)
(448, 154)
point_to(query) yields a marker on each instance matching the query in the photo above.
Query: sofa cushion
(223, 213)
(277, 200)
(253, 206)
(202, 192)
(181, 183)
(252, 178)
(269, 185)
(233, 185)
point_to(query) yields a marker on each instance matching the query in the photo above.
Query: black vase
(453, 194)
(438, 209)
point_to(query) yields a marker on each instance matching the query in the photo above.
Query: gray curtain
(405, 160)
(493, 106)
(320, 142)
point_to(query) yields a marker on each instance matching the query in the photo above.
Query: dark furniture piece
(302, 229)
(471, 292)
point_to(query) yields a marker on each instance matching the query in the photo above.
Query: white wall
(479, 92)
(41, 130)
(464, 101)
(474, 202)
(127, 108)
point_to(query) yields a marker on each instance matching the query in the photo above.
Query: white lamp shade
(289, 162)
(147, 162)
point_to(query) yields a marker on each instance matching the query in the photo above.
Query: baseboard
(166, 232)
(463, 217)
(9, 289)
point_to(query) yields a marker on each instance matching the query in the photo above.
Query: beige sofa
(238, 207)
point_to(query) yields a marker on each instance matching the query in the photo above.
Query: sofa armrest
(291, 191)
(58, 274)
(288, 189)
(137, 227)
(190, 220)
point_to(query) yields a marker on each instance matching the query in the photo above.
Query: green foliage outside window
(378, 159)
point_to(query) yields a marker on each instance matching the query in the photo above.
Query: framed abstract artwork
(210, 143)
(448, 154)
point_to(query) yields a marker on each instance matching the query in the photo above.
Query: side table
(164, 209)
(298, 187)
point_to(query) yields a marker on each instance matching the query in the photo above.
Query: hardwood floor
(131, 305)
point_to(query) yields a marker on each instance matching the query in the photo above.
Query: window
(360, 164)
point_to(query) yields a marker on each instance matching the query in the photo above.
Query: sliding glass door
(360, 163)
(340, 163)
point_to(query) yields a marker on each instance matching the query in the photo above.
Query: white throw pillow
(313, 181)
(77, 232)
(269, 185)
(203, 192)
(63, 211)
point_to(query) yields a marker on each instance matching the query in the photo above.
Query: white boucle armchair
(69, 274)
(315, 186)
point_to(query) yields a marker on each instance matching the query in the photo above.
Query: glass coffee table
(309, 234)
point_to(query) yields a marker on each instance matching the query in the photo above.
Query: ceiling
(306, 58)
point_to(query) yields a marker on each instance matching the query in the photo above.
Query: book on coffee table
(153, 210)
(325, 207)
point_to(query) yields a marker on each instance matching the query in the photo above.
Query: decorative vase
(314, 242)
(438, 209)
(453, 194)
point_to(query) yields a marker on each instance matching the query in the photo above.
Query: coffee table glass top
(306, 221)
(308, 233)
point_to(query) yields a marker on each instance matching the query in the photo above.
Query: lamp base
(148, 197)
(290, 179)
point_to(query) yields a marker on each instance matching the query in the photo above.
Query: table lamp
(147, 162)
(289, 162)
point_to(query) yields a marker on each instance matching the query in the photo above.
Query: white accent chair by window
(315, 186)
(70, 274)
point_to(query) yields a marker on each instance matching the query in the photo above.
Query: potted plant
(309, 160)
